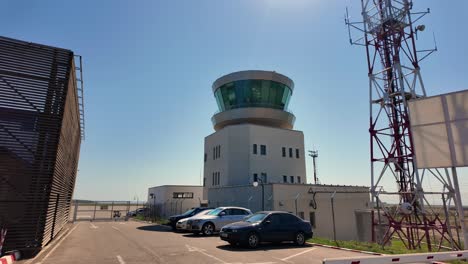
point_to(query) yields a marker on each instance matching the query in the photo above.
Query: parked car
(173, 219)
(139, 211)
(213, 221)
(182, 223)
(268, 226)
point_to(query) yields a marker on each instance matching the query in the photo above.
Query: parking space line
(121, 261)
(115, 228)
(300, 253)
(93, 226)
(202, 251)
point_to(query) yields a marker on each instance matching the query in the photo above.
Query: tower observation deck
(256, 97)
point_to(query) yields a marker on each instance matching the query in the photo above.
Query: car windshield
(204, 212)
(215, 211)
(188, 212)
(256, 218)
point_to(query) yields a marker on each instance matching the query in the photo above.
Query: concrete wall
(347, 201)
(243, 196)
(237, 163)
(285, 197)
(166, 205)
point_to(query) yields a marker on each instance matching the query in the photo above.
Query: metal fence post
(94, 215)
(75, 213)
(333, 215)
(112, 210)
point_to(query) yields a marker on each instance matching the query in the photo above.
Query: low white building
(309, 201)
(170, 200)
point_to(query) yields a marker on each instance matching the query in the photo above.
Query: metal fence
(103, 210)
(40, 137)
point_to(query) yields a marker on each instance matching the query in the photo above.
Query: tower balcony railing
(255, 105)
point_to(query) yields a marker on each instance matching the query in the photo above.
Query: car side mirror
(267, 222)
(222, 214)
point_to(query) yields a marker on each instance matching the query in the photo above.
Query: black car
(270, 226)
(173, 219)
(139, 211)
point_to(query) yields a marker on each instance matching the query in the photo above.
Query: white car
(182, 223)
(213, 221)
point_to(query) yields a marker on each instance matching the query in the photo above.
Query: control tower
(254, 138)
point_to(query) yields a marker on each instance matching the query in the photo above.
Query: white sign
(439, 127)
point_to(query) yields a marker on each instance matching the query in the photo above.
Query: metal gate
(101, 210)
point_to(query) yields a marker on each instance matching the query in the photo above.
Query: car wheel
(299, 239)
(253, 240)
(208, 229)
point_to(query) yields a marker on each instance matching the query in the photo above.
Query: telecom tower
(394, 79)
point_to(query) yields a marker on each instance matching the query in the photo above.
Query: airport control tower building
(254, 138)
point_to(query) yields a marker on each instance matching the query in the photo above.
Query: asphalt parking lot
(135, 242)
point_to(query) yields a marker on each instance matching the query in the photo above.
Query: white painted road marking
(115, 228)
(58, 244)
(300, 253)
(121, 261)
(93, 226)
(202, 251)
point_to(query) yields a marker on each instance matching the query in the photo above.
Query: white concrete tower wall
(237, 163)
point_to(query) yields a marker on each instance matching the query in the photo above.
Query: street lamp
(255, 184)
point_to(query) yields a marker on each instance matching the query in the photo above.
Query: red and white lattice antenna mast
(394, 79)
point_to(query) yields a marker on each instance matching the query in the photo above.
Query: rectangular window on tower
(285, 179)
(284, 152)
(214, 153)
(298, 179)
(254, 148)
(297, 153)
(213, 179)
(219, 151)
(291, 178)
(262, 149)
(255, 177)
(290, 152)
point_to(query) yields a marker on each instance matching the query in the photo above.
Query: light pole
(314, 155)
(255, 184)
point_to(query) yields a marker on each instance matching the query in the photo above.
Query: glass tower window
(253, 93)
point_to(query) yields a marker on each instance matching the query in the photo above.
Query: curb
(11, 257)
(360, 251)
(347, 249)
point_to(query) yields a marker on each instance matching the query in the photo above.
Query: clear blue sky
(149, 66)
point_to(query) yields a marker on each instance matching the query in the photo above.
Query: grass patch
(157, 220)
(397, 247)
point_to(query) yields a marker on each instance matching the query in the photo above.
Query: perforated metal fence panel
(40, 141)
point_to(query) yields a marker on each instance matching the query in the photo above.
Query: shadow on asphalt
(262, 247)
(191, 235)
(155, 228)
